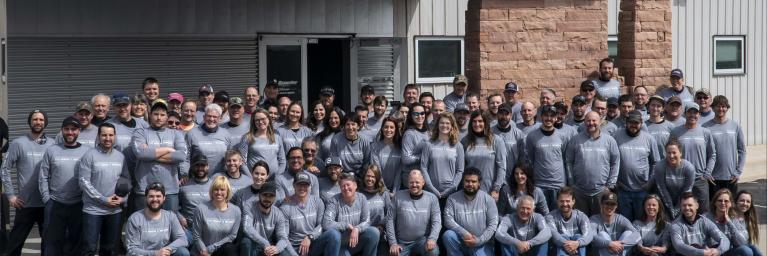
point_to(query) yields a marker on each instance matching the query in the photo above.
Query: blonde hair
(453, 136)
(221, 182)
(251, 135)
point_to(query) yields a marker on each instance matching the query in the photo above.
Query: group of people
(611, 174)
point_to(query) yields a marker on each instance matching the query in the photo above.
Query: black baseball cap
(70, 120)
(511, 87)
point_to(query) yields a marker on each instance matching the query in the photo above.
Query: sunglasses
(417, 114)
(174, 123)
(702, 97)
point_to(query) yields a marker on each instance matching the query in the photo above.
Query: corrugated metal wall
(370, 18)
(55, 73)
(376, 65)
(695, 23)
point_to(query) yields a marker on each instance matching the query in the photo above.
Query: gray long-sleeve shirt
(261, 150)
(213, 145)
(546, 155)
(266, 229)
(735, 229)
(672, 182)
(478, 216)
(489, 159)
(685, 95)
(592, 164)
(512, 230)
(701, 232)
(236, 131)
(442, 166)
(608, 89)
(730, 149)
(328, 189)
(562, 229)
(377, 205)
(293, 138)
(245, 180)
(638, 157)
(191, 195)
(661, 132)
(25, 155)
(508, 200)
(303, 219)
(526, 129)
(649, 236)
(58, 173)
(87, 136)
(144, 144)
(354, 154)
(389, 159)
(412, 142)
(144, 236)
(123, 132)
(514, 142)
(615, 229)
(98, 172)
(285, 188)
(409, 219)
(245, 196)
(339, 214)
(451, 100)
(698, 148)
(212, 228)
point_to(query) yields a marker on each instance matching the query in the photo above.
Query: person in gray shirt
(458, 95)
(652, 228)
(154, 231)
(723, 215)
(329, 185)
(380, 104)
(195, 192)
(656, 124)
(239, 121)
(485, 152)
(249, 195)
(512, 98)
(674, 111)
(613, 233)
(386, 152)
(571, 229)
(692, 234)
(442, 158)
(528, 123)
(638, 154)
(261, 143)
(519, 185)
(216, 222)
(413, 221)
(545, 154)
(124, 123)
(606, 85)
(578, 109)
(461, 114)
(592, 160)
(84, 115)
(25, 154)
(470, 217)
(703, 98)
(699, 149)
(161, 157)
(677, 89)
(235, 171)
(352, 148)
(673, 177)
(730, 147)
(347, 218)
(60, 193)
(265, 226)
(293, 131)
(304, 214)
(285, 180)
(512, 138)
(99, 171)
(524, 232)
(416, 134)
(600, 106)
(209, 140)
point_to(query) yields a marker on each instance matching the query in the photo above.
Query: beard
(470, 192)
(265, 205)
(153, 208)
(605, 76)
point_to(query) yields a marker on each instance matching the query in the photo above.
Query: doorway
(328, 65)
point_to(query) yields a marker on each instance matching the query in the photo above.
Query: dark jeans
(560, 251)
(250, 248)
(630, 203)
(367, 243)
(454, 245)
(538, 250)
(744, 250)
(586, 203)
(63, 228)
(329, 243)
(105, 227)
(226, 250)
(25, 220)
(551, 197)
(700, 191)
(720, 184)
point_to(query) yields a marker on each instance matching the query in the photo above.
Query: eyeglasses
(417, 114)
(174, 123)
(310, 150)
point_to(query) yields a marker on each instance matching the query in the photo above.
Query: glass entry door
(283, 59)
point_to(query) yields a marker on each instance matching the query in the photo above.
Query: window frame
(730, 71)
(612, 38)
(433, 80)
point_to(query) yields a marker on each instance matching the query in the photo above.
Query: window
(612, 47)
(438, 59)
(729, 55)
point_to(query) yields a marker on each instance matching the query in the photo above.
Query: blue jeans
(329, 243)
(248, 247)
(454, 246)
(418, 248)
(538, 250)
(551, 197)
(22, 225)
(744, 250)
(63, 228)
(628, 238)
(367, 243)
(581, 250)
(170, 204)
(630, 203)
(107, 227)
(181, 251)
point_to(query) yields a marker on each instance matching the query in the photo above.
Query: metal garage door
(376, 60)
(54, 73)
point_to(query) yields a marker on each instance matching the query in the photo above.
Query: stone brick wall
(644, 42)
(535, 43)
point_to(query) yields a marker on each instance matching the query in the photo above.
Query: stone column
(644, 42)
(535, 43)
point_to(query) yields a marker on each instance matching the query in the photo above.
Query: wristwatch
(311, 237)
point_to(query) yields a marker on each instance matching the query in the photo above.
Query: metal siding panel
(451, 18)
(361, 16)
(222, 17)
(48, 15)
(462, 6)
(318, 14)
(427, 17)
(346, 12)
(303, 16)
(332, 15)
(613, 8)
(414, 23)
(376, 66)
(438, 17)
(287, 16)
(204, 16)
(73, 69)
(239, 16)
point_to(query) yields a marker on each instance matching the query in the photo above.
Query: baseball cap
(159, 103)
(84, 105)
(548, 108)
(302, 178)
(70, 120)
(333, 161)
(703, 91)
(221, 96)
(120, 98)
(578, 99)
(691, 105)
(206, 88)
(588, 84)
(511, 87)
(269, 187)
(560, 106)
(236, 101)
(460, 79)
(175, 96)
(634, 116)
(460, 107)
(674, 99)
(327, 91)
(199, 158)
(609, 198)
(658, 98)
(677, 73)
(612, 102)
(506, 108)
